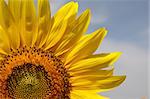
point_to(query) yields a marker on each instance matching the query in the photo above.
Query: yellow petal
(86, 84)
(8, 23)
(111, 82)
(56, 34)
(99, 61)
(78, 94)
(4, 42)
(5, 15)
(92, 71)
(79, 27)
(67, 12)
(86, 46)
(82, 23)
(92, 75)
(3, 52)
(15, 8)
(81, 82)
(1, 57)
(44, 21)
(75, 96)
(89, 77)
(28, 23)
(100, 85)
(61, 18)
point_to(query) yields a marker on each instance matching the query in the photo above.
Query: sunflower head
(44, 57)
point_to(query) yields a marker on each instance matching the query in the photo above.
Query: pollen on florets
(32, 72)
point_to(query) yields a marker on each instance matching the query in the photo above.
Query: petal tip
(88, 11)
(122, 79)
(117, 54)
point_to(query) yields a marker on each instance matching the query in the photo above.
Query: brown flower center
(31, 73)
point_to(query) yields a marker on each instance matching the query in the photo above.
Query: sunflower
(44, 57)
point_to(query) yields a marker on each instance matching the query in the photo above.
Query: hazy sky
(127, 22)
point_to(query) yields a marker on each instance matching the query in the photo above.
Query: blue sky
(127, 22)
